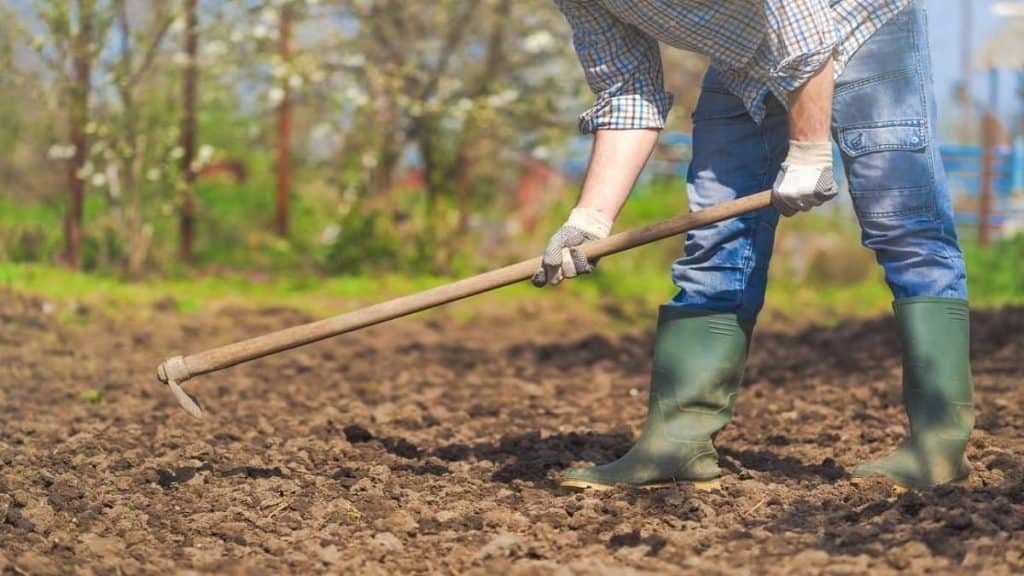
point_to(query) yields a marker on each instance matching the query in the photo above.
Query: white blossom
(215, 48)
(85, 171)
(275, 95)
(537, 42)
(355, 95)
(61, 151)
(205, 154)
(153, 174)
(503, 98)
(113, 181)
(270, 16)
(353, 60)
(330, 234)
(178, 25)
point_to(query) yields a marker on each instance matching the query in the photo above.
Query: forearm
(805, 178)
(810, 107)
(617, 158)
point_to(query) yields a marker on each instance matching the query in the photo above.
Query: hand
(805, 179)
(561, 258)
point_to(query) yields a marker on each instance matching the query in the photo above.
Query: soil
(432, 445)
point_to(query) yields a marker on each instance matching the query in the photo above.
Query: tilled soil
(432, 445)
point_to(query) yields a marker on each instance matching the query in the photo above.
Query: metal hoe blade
(185, 400)
(173, 371)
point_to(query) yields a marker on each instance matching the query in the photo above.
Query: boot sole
(703, 485)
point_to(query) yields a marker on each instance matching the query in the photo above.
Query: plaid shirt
(760, 46)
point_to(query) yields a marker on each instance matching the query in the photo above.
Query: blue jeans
(884, 123)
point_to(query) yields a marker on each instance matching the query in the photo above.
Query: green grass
(240, 262)
(633, 285)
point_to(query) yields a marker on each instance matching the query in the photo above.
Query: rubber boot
(937, 395)
(698, 364)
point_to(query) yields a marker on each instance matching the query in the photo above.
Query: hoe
(178, 369)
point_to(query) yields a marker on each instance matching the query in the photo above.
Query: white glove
(561, 258)
(805, 179)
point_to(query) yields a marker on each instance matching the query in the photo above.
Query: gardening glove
(561, 258)
(805, 179)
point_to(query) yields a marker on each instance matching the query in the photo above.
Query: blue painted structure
(963, 168)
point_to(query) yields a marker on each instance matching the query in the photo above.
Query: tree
(131, 69)
(284, 126)
(74, 32)
(186, 230)
(456, 78)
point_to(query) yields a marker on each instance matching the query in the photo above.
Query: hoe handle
(181, 368)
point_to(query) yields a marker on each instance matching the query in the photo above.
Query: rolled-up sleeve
(801, 37)
(622, 66)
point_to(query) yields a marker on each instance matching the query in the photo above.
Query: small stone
(958, 520)
(811, 558)
(100, 546)
(35, 563)
(330, 554)
(380, 473)
(274, 545)
(387, 542)
(5, 505)
(399, 521)
(40, 514)
(501, 545)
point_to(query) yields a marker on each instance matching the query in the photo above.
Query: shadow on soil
(530, 456)
(944, 519)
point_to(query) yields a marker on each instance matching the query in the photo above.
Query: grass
(632, 285)
(826, 277)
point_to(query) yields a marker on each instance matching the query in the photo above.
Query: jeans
(884, 124)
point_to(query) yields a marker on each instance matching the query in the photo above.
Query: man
(785, 75)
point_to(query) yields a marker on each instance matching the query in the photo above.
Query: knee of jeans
(722, 265)
(919, 253)
(724, 245)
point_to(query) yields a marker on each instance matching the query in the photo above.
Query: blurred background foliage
(421, 140)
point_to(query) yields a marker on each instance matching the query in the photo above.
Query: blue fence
(963, 168)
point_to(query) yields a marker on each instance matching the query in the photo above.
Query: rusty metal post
(966, 42)
(989, 129)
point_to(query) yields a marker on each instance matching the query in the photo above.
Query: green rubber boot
(698, 364)
(937, 391)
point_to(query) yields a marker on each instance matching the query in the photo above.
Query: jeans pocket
(877, 204)
(908, 134)
(889, 168)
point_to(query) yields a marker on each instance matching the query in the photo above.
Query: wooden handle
(181, 368)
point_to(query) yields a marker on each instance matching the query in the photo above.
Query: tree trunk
(78, 118)
(188, 134)
(284, 129)
(129, 156)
